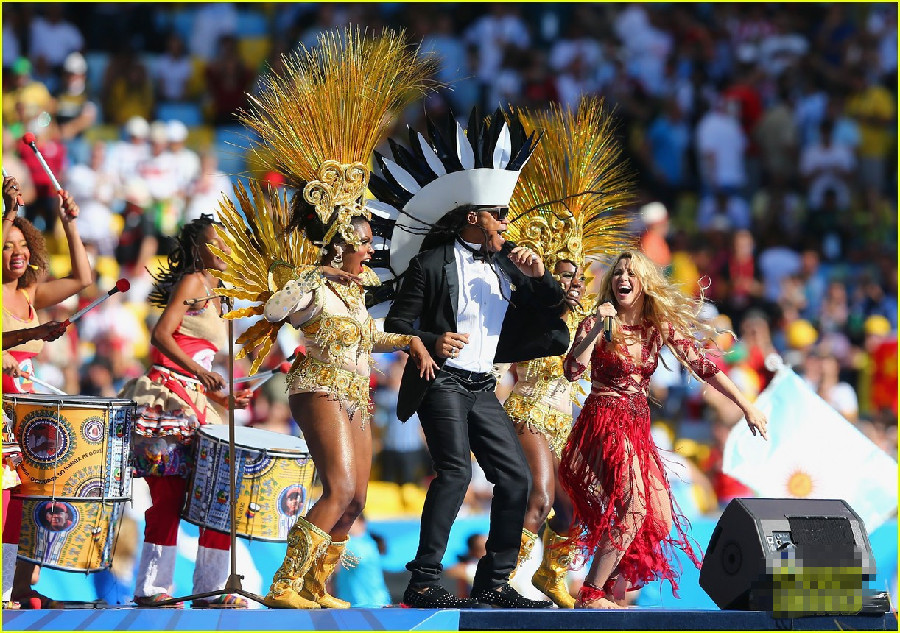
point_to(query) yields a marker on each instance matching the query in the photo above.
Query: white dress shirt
(480, 310)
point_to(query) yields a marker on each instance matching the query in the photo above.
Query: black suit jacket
(426, 305)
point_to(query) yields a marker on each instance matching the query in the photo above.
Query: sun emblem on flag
(800, 484)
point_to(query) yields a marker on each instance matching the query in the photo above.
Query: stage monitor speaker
(788, 556)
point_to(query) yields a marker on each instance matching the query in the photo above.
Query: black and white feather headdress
(450, 168)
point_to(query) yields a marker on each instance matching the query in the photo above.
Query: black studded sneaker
(435, 597)
(505, 597)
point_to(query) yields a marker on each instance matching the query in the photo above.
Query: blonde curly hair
(664, 303)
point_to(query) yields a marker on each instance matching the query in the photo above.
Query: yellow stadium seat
(254, 50)
(107, 267)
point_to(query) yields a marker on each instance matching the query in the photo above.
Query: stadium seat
(252, 24)
(187, 112)
(97, 62)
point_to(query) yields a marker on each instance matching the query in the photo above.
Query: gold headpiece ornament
(567, 204)
(321, 118)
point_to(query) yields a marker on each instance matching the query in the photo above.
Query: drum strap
(173, 383)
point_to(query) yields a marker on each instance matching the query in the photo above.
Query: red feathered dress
(612, 431)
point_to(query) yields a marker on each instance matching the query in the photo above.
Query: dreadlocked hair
(447, 228)
(37, 253)
(183, 260)
(664, 302)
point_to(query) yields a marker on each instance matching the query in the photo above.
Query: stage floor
(395, 619)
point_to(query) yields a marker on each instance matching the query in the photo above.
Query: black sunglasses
(498, 213)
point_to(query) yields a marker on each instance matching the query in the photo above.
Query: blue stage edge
(392, 619)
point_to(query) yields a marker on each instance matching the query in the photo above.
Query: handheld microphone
(607, 329)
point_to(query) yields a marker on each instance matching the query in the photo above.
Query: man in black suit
(474, 299)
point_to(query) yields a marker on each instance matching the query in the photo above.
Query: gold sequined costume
(340, 338)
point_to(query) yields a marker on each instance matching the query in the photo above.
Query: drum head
(257, 439)
(51, 400)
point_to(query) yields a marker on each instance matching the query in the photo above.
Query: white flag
(812, 452)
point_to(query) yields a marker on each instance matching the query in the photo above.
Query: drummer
(176, 388)
(25, 291)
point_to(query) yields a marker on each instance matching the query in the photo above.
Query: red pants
(12, 517)
(164, 514)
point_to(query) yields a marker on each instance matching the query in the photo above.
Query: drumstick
(121, 286)
(46, 385)
(283, 368)
(18, 195)
(29, 140)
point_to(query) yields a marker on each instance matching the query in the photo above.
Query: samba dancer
(25, 264)
(475, 299)
(565, 209)
(173, 400)
(320, 121)
(610, 466)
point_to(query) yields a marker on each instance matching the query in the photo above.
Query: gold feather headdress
(319, 122)
(569, 199)
(322, 118)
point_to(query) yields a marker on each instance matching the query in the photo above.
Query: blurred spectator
(777, 137)
(227, 83)
(827, 166)
(16, 167)
(173, 70)
(27, 98)
(159, 171)
(874, 109)
(655, 219)
(497, 34)
(186, 161)
(95, 188)
(205, 193)
(124, 156)
(74, 111)
(720, 148)
(776, 260)
(97, 379)
(212, 21)
(782, 49)
(723, 212)
(137, 242)
(53, 38)
(878, 378)
(667, 142)
(821, 372)
(127, 89)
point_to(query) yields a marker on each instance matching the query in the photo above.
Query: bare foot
(599, 603)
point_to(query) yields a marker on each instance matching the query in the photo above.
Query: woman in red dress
(610, 466)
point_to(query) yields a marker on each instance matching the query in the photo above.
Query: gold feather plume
(334, 102)
(262, 255)
(318, 122)
(568, 203)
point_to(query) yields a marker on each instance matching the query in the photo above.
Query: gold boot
(305, 544)
(314, 582)
(550, 578)
(528, 540)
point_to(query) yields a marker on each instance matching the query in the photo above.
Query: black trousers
(460, 416)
